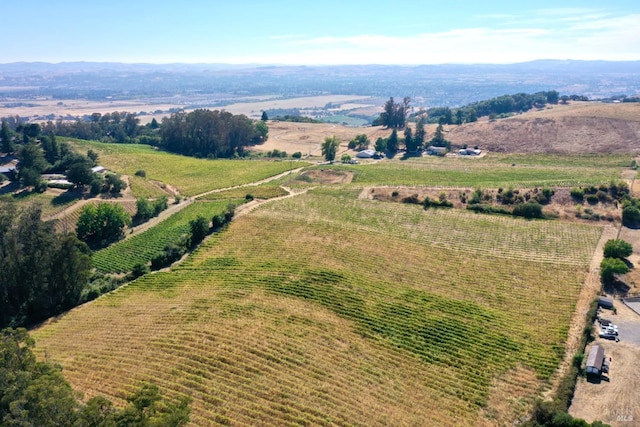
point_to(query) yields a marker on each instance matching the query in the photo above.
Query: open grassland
(580, 127)
(326, 309)
(491, 171)
(189, 175)
(141, 248)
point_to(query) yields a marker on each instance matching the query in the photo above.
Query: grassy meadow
(190, 176)
(491, 171)
(327, 309)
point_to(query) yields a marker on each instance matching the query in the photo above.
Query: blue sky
(318, 32)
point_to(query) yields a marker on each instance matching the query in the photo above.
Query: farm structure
(605, 302)
(366, 154)
(596, 365)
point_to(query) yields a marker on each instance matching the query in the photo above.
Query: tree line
(39, 151)
(43, 273)
(200, 133)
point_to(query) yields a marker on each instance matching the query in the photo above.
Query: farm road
(174, 208)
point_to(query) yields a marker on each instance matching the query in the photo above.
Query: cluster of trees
(101, 224)
(121, 127)
(211, 134)
(43, 273)
(39, 151)
(614, 263)
(147, 209)
(394, 114)
(501, 105)
(35, 393)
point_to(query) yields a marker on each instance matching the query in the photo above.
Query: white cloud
(595, 35)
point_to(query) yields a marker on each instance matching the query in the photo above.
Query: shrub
(297, 155)
(141, 173)
(413, 199)
(577, 194)
(528, 210)
(140, 269)
(248, 197)
(630, 216)
(592, 199)
(394, 193)
(487, 209)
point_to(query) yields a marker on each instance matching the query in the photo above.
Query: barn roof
(596, 357)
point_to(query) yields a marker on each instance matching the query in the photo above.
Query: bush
(168, 256)
(141, 173)
(592, 199)
(630, 216)
(248, 197)
(297, 155)
(138, 270)
(577, 194)
(488, 209)
(413, 199)
(528, 210)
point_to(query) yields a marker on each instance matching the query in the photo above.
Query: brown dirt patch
(327, 176)
(307, 138)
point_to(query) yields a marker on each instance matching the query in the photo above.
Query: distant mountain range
(427, 85)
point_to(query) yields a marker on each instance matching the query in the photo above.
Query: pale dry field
(253, 108)
(578, 127)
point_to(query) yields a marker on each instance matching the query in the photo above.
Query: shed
(595, 361)
(98, 169)
(366, 154)
(605, 302)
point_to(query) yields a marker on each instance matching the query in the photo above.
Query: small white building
(98, 169)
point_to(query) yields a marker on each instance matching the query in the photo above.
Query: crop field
(264, 191)
(189, 175)
(326, 309)
(122, 256)
(491, 171)
(141, 187)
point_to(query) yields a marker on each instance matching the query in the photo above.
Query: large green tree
(330, 148)
(611, 267)
(6, 138)
(102, 224)
(617, 248)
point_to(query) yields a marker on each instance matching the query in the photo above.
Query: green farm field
(328, 309)
(190, 176)
(491, 171)
(124, 255)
